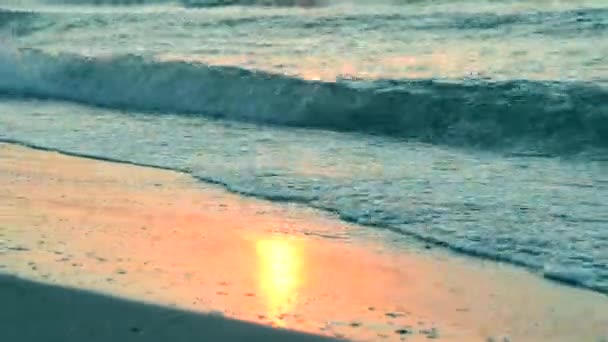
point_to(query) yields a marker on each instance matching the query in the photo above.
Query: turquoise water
(480, 126)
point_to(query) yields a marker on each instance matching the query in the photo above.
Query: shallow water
(481, 127)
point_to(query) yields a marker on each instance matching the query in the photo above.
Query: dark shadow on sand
(33, 312)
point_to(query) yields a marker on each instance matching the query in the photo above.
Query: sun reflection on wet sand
(280, 276)
(157, 237)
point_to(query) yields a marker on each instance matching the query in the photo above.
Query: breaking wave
(559, 116)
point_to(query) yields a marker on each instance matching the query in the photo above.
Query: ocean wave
(9, 16)
(543, 22)
(556, 116)
(106, 2)
(565, 22)
(290, 3)
(191, 3)
(16, 23)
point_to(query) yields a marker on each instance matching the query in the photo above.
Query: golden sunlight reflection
(280, 276)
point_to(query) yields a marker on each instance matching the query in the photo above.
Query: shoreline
(159, 236)
(556, 277)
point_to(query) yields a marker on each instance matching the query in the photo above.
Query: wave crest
(562, 117)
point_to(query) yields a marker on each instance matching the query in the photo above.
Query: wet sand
(152, 236)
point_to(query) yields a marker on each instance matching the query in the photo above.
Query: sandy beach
(99, 251)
